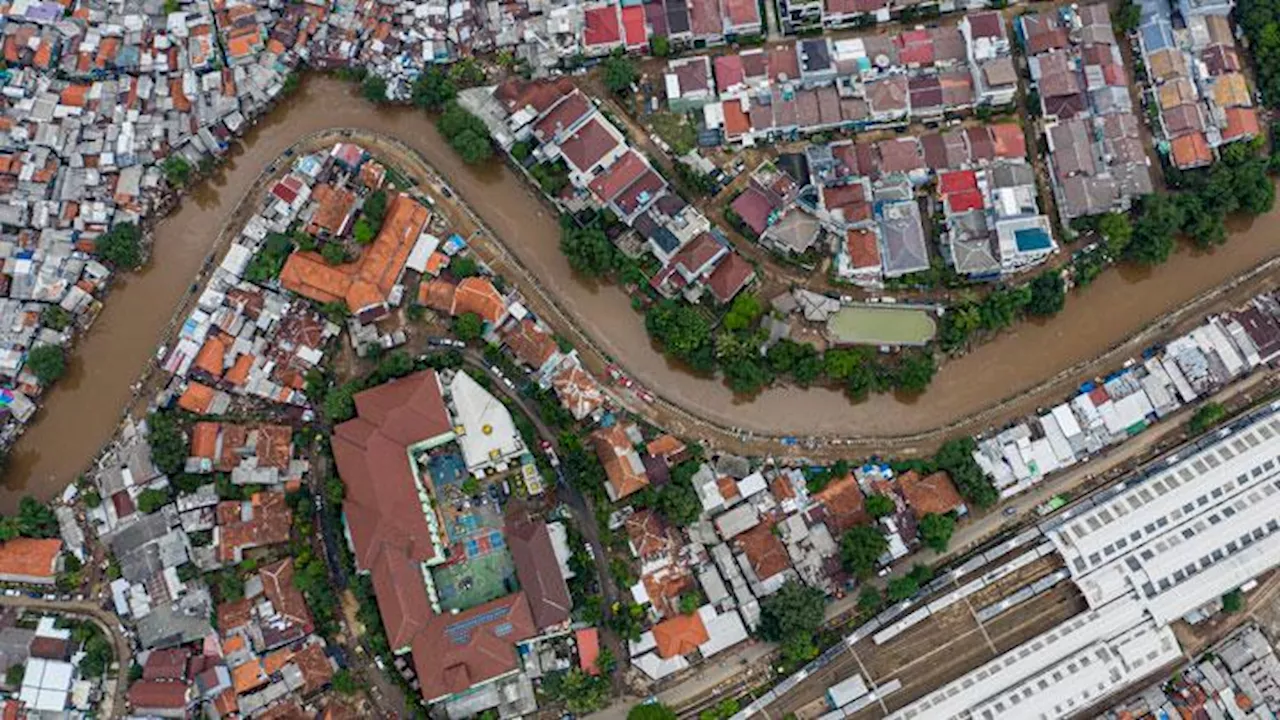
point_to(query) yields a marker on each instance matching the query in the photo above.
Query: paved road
(114, 701)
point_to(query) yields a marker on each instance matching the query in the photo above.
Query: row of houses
(1198, 96)
(564, 128)
(866, 209)
(822, 84)
(1096, 155)
(1109, 411)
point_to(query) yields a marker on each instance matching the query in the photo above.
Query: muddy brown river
(82, 410)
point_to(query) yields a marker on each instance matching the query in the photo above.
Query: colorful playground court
(480, 567)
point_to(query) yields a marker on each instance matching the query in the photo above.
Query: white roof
(657, 668)
(1186, 534)
(724, 630)
(488, 435)
(751, 484)
(737, 521)
(422, 249)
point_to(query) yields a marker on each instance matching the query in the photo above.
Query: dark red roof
(539, 573)
(754, 208)
(601, 26)
(730, 276)
(589, 144)
(382, 504)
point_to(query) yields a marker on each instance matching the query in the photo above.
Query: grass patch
(675, 130)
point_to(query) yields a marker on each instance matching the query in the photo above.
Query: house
(30, 560)
(539, 574)
(364, 286)
(679, 636)
(622, 464)
(903, 250)
(932, 494)
(689, 83)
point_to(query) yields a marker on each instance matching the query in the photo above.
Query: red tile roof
(730, 276)
(589, 145)
(624, 171)
(562, 116)
(1010, 141)
(588, 649)
(863, 247)
(766, 553)
(634, 27)
(754, 207)
(933, 493)
(382, 504)
(456, 652)
(530, 343)
(158, 695)
(728, 71)
(956, 181)
(601, 26)
(843, 504)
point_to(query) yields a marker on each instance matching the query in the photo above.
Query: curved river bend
(81, 412)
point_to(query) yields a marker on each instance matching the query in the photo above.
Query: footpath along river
(81, 412)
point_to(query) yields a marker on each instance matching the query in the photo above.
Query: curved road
(80, 414)
(108, 623)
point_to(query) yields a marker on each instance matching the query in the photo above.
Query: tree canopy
(587, 249)
(651, 711)
(860, 549)
(682, 331)
(792, 616)
(935, 530)
(47, 362)
(168, 444)
(465, 133)
(468, 327)
(121, 246)
(879, 506)
(433, 89)
(618, 72)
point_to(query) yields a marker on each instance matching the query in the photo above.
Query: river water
(81, 412)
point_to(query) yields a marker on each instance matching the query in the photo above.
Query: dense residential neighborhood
(373, 462)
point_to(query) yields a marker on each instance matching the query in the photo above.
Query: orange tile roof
(239, 373)
(766, 553)
(74, 95)
(235, 643)
(248, 677)
(436, 263)
(204, 440)
(1191, 150)
(843, 503)
(478, 295)
(680, 635)
(934, 493)
(1242, 123)
(334, 209)
(30, 558)
(368, 281)
(588, 649)
(437, 295)
(197, 398)
(736, 121)
(275, 661)
(621, 462)
(665, 446)
(212, 355)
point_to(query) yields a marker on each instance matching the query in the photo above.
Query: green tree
(935, 530)
(645, 711)
(879, 506)
(13, 677)
(1048, 294)
(915, 371)
(902, 588)
(47, 362)
(345, 683)
(1233, 602)
(468, 327)
(956, 458)
(1205, 417)
(799, 360)
(36, 519)
(466, 133)
(168, 444)
(587, 249)
(464, 266)
(151, 500)
(121, 246)
(869, 600)
(1127, 17)
(333, 253)
(689, 603)
(339, 403)
(55, 318)
(374, 208)
(433, 89)
(861, 548)
(682, 331)
(92, 498)
(792, 616)
(582, 693)
(1116, 231)
(177, 170)
(743, 313)
(659, 46)
(679, 504)
(618, 73)
(363, 231)
(98, 653)
(1159, 218)
(374, 89)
